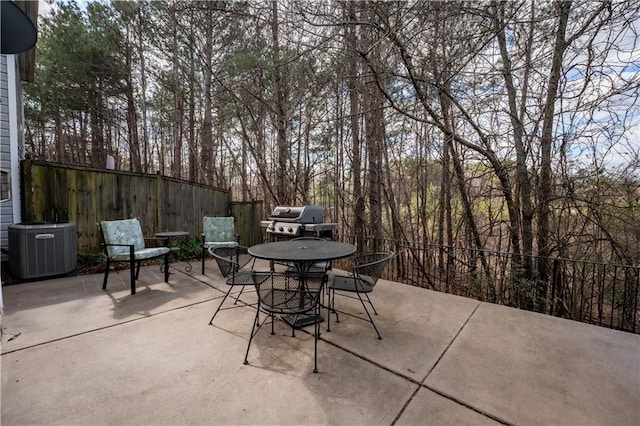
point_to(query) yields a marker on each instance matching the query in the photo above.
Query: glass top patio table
(303, 253)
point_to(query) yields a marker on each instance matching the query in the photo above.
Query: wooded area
(505, 126)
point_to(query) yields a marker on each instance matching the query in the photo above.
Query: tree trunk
(283, 152)
(206, 143)
(358, 226)
(143, 96)
(177, 99)
(135, 163)
(193, 147)
(516, 114)
(98, 154)
(375, 143)
(545, 188)
(374, 128)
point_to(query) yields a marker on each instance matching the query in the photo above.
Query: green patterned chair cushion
(219, 231)
(147, 253)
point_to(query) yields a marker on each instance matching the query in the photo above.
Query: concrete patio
(74, 354)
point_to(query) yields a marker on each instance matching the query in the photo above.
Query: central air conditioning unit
(43, 249)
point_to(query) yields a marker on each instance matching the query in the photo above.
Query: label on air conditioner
(44, 236)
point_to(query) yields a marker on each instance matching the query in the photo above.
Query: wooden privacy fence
(55, 192)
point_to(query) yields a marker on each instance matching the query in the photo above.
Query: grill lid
(286, 212)
(298, 214)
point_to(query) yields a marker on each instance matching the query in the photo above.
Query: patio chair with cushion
(361, 280)
(124, 242)
(218, 232)
(233, 263)
(287, 294)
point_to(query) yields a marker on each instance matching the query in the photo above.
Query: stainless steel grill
(287, 222)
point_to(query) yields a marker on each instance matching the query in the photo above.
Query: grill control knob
(290, 230)
(281, 229)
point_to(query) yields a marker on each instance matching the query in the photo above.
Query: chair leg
(204, 252)
(315, 343)
(368, 314)
(166, 267)
(293, 328)
(132, 270)
(238, 296)
(220, 305)
(253, 333)
(106, 274)
(331, 308)
(203, 256)
(138, 263)
(371, 303)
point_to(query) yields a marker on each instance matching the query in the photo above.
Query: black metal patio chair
(360, 281)
(218, 232)
(286, 293)
(232, 262)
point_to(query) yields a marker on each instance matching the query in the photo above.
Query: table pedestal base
(302, 320)
(168, 236)
(174, 253)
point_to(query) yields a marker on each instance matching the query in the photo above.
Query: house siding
(10, 141)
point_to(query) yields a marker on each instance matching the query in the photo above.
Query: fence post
(157, 207)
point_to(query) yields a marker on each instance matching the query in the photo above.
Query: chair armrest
(117, 245)
(105, 245)
(226, 260)
(236, 235)
(356, 258)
